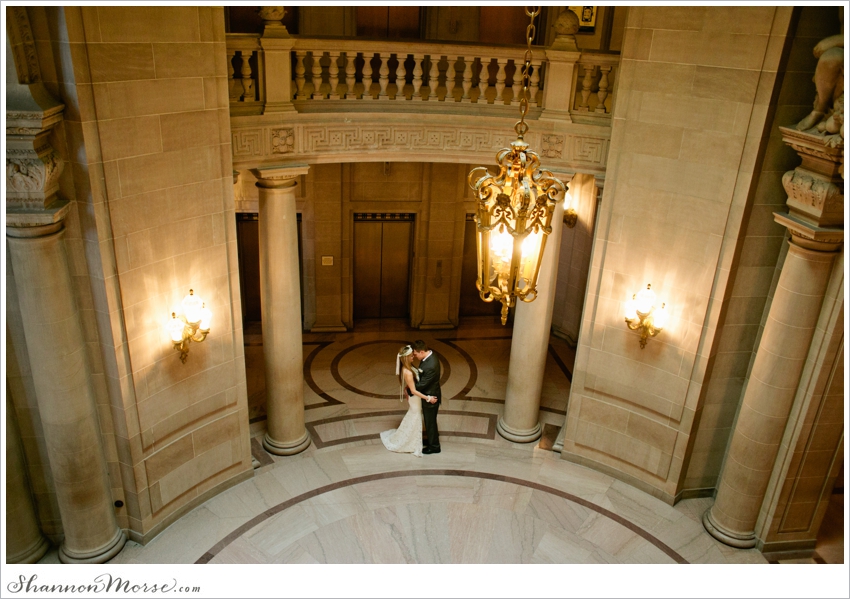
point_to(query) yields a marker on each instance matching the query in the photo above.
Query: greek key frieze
(247, 143)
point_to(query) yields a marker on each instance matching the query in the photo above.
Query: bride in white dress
(407, 438)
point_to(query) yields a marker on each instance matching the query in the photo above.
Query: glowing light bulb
(192, 307)
(175, 328)
(645, 300)
(630, 312)
(502, 245)
(659, 319)
(206, 317)
(568, 201)
(530, 245)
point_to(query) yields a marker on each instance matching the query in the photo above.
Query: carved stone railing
(340, 100)
(361, 75)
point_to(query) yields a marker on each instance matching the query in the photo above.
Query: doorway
(248, 246)
(382, 252)
(471, 303)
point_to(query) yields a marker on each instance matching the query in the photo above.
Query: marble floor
(346, 500)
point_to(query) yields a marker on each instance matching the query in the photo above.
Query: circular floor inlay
(620, 524)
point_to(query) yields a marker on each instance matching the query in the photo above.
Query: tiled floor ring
(263, 517)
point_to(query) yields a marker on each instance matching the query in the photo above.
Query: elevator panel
(382, 255)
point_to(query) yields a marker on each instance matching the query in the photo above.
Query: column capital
(815, 188)
(279, 175)
(809, 236)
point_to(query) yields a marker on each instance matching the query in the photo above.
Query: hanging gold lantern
(514, 212)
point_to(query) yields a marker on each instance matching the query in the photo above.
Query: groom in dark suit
(429, 385)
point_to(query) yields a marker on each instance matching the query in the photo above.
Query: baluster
(384, 75)
(317, 76)
(333, 75)
(367, 75)
(516, 84)
(300, 57)
(433, 77)
(234, 86)
(534, 82)
(586, 84)
(500, 81)
(401, 77)
(467, 79)
(603, 89)
(418, 60)
(483, 80)
(349, 75)
(451, 73)
(248, 91)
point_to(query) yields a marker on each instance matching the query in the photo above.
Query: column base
(99, 556)
(733, 539)
(32, 554)
(278, 448)
(516, 435)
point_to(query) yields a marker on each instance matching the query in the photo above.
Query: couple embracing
(420, 385)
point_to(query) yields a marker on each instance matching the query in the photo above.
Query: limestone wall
(147, 138)
(760, 254)
(693, 104)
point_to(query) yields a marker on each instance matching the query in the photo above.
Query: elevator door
(382, 249)
(248, 245)
(471, 303)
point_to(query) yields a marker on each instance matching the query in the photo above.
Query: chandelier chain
(521, 128)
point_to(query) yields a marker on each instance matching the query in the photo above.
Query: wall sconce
(192, 325)
(570, 215)
(641, 314)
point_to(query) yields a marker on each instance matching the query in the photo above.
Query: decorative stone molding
(22, 44)
(812, 237)
(343, 142)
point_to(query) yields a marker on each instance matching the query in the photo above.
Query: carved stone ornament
(283, 141)
(22, 43)
(271, 14)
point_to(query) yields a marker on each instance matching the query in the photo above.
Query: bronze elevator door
(471, 303)
(382, 246)
(248, 245)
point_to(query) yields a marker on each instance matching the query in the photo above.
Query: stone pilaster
(277, 46)
(280, 291)
(814, 221)
(24, 542)
(562, 56)
(529, 347)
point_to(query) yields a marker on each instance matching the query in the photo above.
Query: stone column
(64, 391)
(529, 347)
(280, 292)
(813, 221)
(24, 542)
(51, 321)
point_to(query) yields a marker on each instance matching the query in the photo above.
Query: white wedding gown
(407, 438)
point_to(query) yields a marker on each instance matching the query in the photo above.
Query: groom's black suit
(429, 384)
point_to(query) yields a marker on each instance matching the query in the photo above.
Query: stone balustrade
(354, 75)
